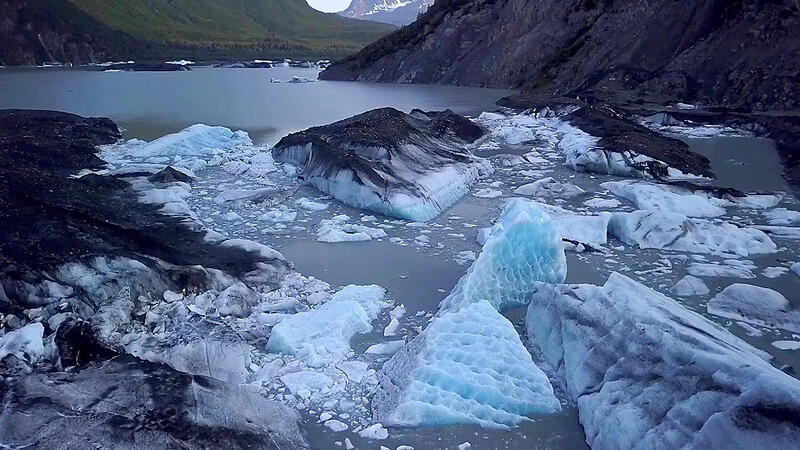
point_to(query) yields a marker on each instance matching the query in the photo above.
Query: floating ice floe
(487, 193)
(337, 229)
(410, 166)
(279, 214)
(647, 373)
(655, 197)
(311, 205)
(322, 335)
(782, 216)
(548, 187)
(779, 231)
(602, 203)
(787, 345)
(774, 272)
(667, 124)
(586, 229)
(469, 365)
(674, 231)
(689, 286)
(732, 269)
(756, 305)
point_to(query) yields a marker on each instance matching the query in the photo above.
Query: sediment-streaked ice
(673, 231)
(646, 372)
(756, 305)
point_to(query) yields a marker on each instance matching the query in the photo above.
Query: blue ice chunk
(523, 247)
(468, 367)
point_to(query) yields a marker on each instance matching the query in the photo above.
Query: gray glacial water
(416, 274)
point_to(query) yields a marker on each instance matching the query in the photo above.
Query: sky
(329, 5)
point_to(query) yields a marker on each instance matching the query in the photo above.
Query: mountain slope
(153, 29)
(735, 53)
(397, 12)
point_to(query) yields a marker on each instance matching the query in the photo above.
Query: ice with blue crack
(322, 335)
(646, 372)
(523, 246)
(469, 365)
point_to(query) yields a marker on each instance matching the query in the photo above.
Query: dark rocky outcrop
(49, 217)
(387, 161)
(169, 175)
(720, 52)
(33, 32)
(126, 402)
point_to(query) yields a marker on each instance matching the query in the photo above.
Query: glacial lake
(151, 104)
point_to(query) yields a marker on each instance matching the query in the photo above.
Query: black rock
(78, 346)
(169, 175)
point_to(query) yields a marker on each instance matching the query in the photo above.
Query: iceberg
(689, 286)
(337, 229)
(657, 197)
(721, 270)
(322, 335)
(468, 367)
(522, 247)
(647, 373)
(577, 228)
(411, 166)
(674, 231)
(549, 187)
(191, 147)
(598, 139)
(755, 305)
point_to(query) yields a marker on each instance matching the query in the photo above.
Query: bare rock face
(733, 54)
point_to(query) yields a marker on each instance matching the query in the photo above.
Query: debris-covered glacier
(411, 166)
